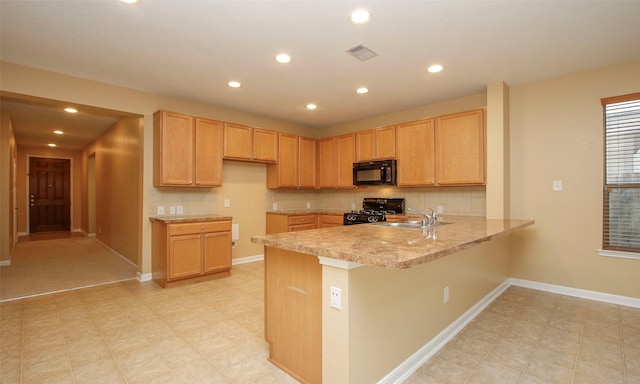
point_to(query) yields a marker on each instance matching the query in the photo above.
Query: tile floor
(212, 332)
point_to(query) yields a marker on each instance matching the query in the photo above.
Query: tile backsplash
(466, 201)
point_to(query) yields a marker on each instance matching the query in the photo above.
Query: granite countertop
(194, 218)
(393, 248)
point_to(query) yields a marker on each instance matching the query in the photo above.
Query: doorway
(49, 194)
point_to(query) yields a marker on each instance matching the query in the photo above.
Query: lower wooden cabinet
(328, 221)
(293, 313)
(189, 252)
(282, 222)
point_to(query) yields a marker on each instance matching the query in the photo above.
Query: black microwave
(374, 173)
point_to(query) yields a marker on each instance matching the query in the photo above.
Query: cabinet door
(185, 256)
(238, 141)
(208, 153)
(460, 148)
(173, 149)
(416, 153)
(327, 163)
(265, 147)
(288, 161)
(365, 145)
(346, 148)
(217, 251)
(307, 163)
(386, 143)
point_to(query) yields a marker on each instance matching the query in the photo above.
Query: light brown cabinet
(376, 144)
(447, 150)
(460, 149)
(250, 144)
(293, 313)
(415, 142)
(328, 221)
(187, 151)
(296, 167)
(336, 156)
(189, 252)
(278, 222)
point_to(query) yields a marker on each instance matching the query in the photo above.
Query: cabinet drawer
(332, 219)
(202, 227)
(302, 227)
(295, 220)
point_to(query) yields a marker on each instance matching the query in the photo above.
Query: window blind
(621, 230)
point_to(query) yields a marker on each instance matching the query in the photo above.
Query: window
(621, 232)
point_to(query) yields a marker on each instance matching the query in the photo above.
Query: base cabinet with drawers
(185, 252)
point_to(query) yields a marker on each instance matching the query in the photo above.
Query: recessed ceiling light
(58, 132)
(283, 58)
(71, 110)
(360, 16)
(311, 106)
(234, 84)
(435, 68)
(362, 90)
(51, 145)
(130, 1)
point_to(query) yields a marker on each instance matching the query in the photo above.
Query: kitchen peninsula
(351, 304)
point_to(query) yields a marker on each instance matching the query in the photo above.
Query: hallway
(54, 262)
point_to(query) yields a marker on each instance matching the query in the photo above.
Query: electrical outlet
(275, 206)
(336, 298)
(308, 205)
(179, 209)
(227, 203)
(161, 210)
(172, 210)
(439, 209)
(557, 185)
(353, 206)
(446, 295)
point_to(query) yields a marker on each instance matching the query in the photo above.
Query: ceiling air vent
(361, 52)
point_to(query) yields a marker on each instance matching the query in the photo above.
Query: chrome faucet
(430, 220)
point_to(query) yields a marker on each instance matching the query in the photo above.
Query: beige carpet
(46, 266)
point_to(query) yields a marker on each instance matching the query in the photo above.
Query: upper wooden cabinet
(247, 143)
(447, 150)
(460, 148)
(416, 153)
(336, 156)
(296, 163)
(187, 151)
(376, 144)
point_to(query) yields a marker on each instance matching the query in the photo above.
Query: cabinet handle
(206, 236)
(197, 183)
(203, 227)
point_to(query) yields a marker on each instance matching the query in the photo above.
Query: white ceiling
(191, 49)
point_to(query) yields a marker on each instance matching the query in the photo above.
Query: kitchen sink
(408, 224)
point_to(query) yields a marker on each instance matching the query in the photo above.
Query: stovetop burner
(374, 210)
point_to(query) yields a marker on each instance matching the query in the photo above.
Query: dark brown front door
(49, 195)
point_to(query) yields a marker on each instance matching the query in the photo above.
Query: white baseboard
(576, 292)
(407, 367)
(247, 259)
(142, 277)
(116, 252)
(5, 263)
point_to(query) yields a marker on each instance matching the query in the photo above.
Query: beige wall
(389, 314)
(23, 183)
(118, 187)
(557, 134)
(8, 217)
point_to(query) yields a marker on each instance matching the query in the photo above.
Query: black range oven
(374, 210)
